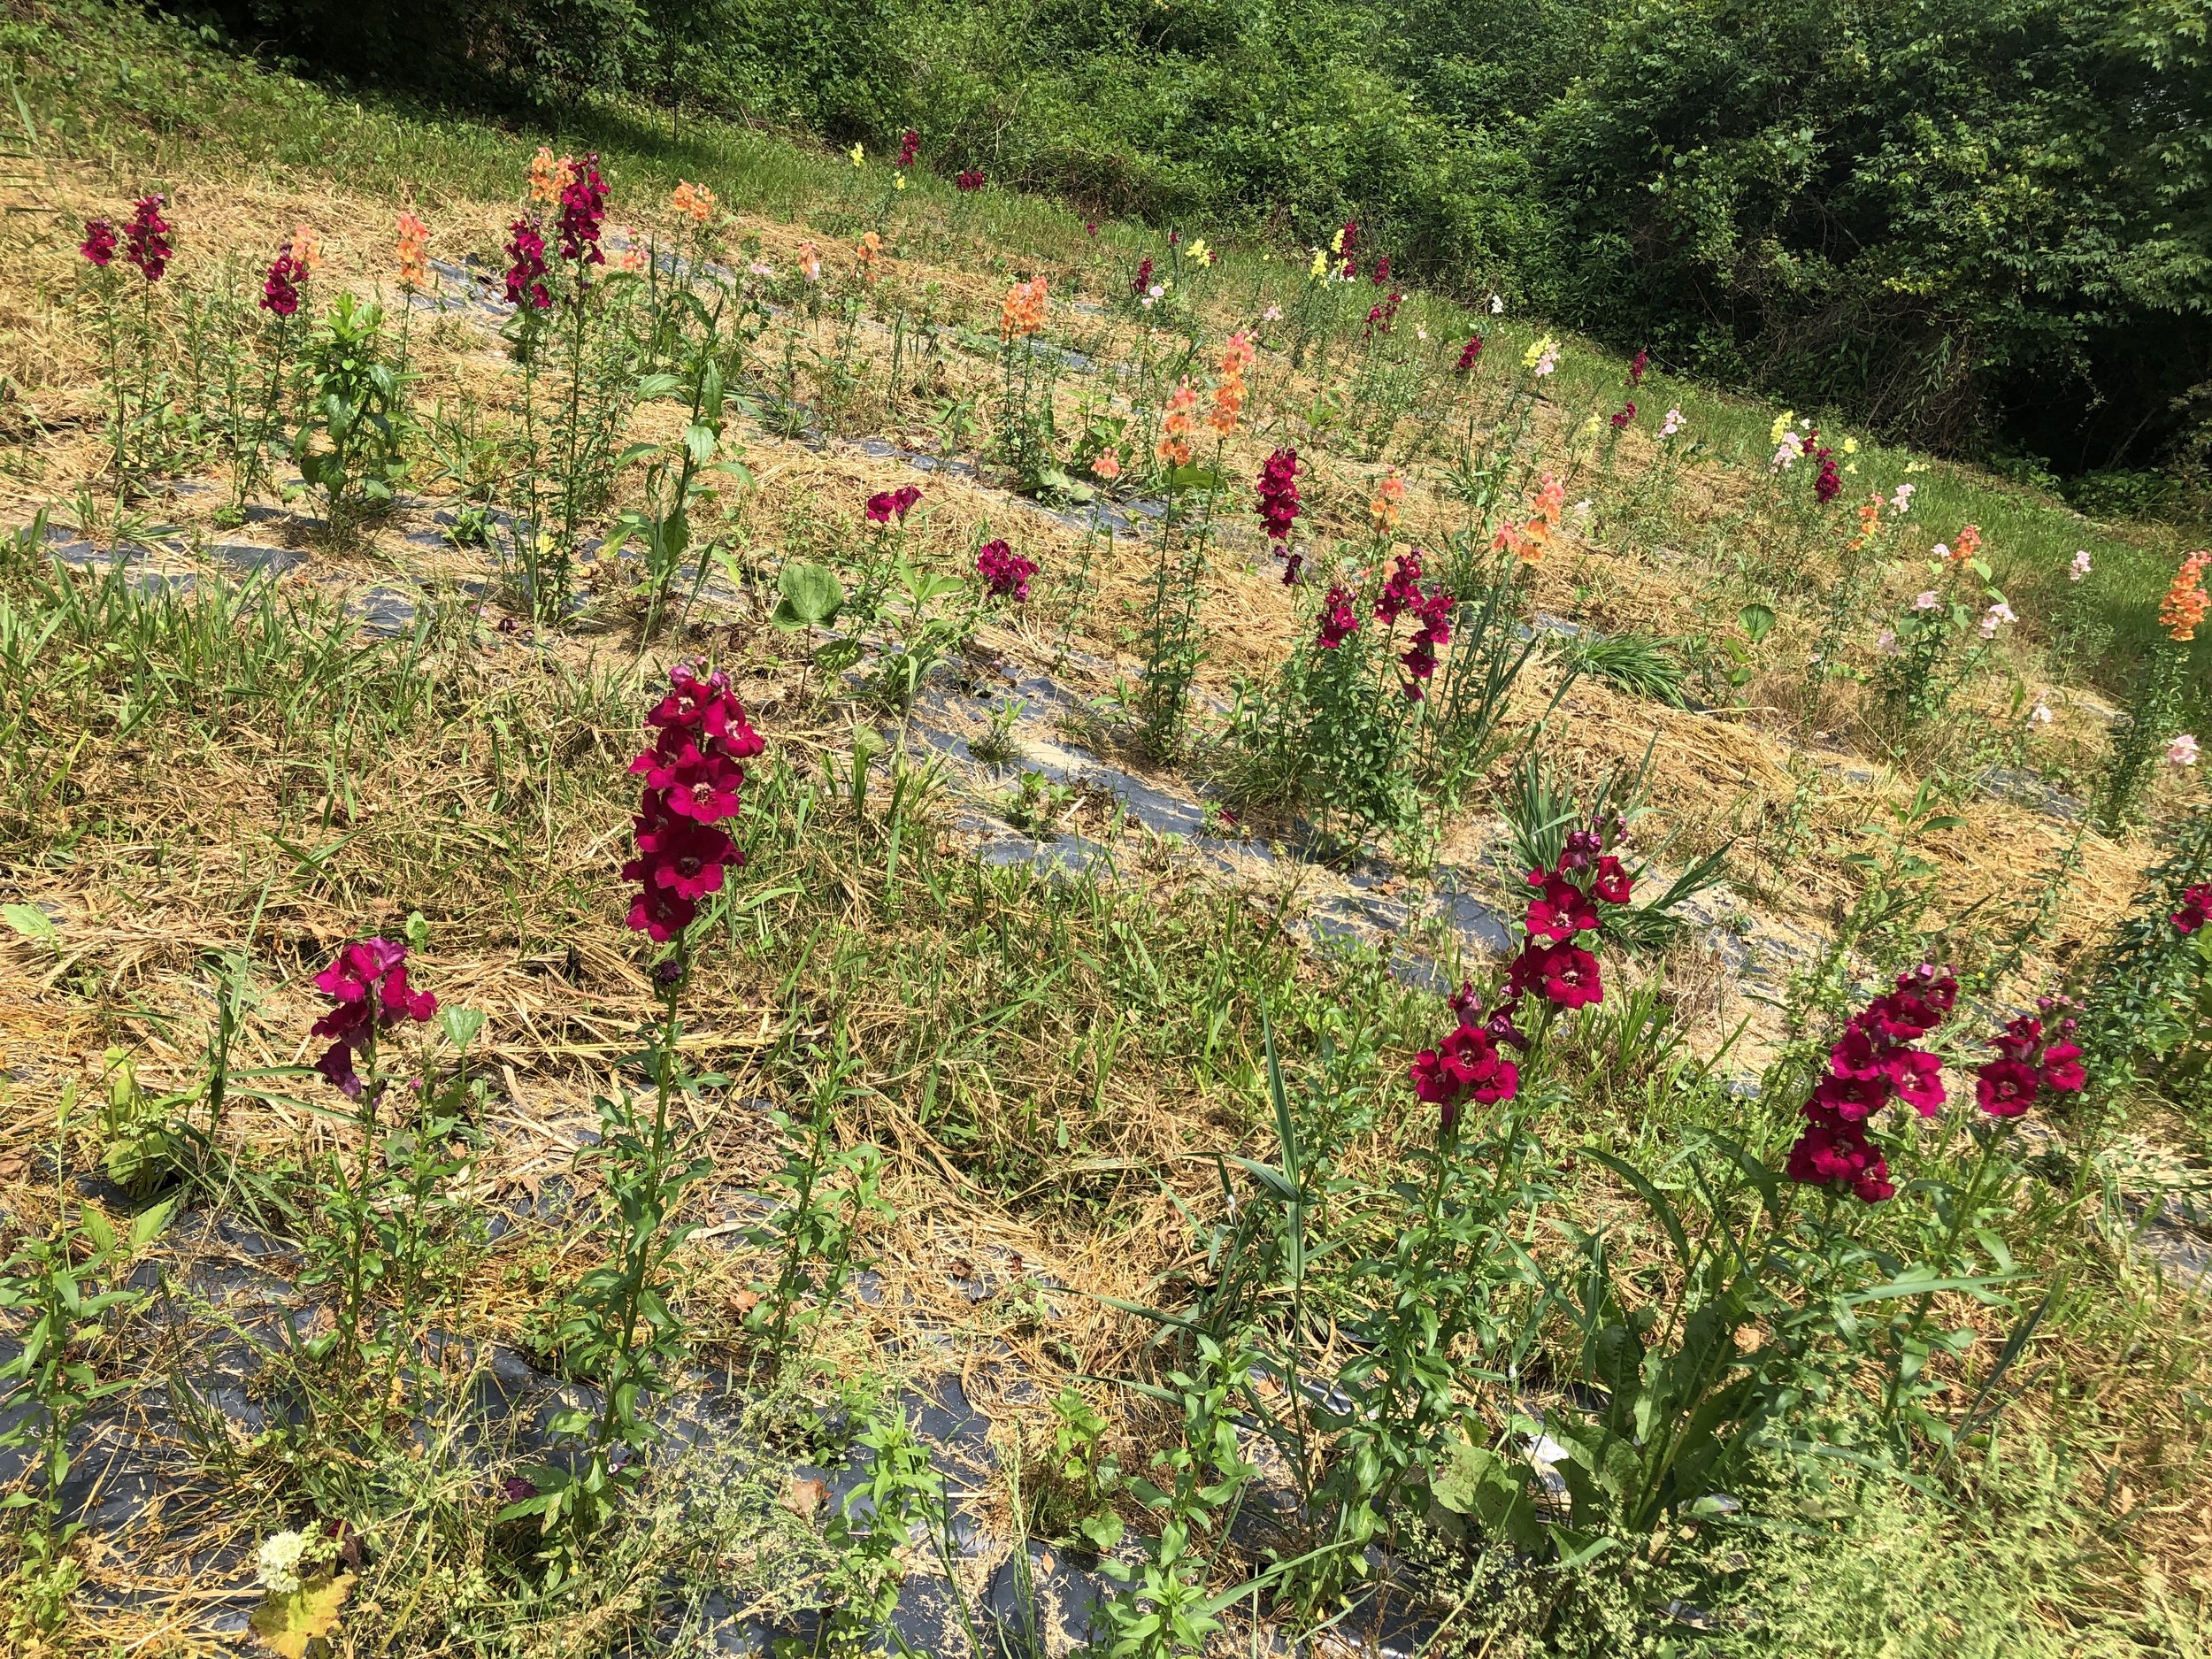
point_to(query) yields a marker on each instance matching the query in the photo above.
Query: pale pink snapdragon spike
(2182, 751)
(2080, 566)
(1901, 504)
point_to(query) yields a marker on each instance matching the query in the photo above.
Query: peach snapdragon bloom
(414, 252)
(1022, 313)
(548, 177)
(1229, 391)
(1175, 434)
(810, 262)
(2185, 602)
(869, 251)
(306, 249)
(1529, 539)
(1382, 511)
(694, 202)
(1969, 544)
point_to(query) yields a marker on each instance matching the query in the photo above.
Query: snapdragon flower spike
(1872, 1066)
(694, 773)
(1829, 484)
(1433, 612)
(1339, 619)
(1637, 364)
(1143, 280)
(1403, 591)
(583, 208)
(100, 242)
(279, 289)
(368, 982)
(1469, 353)
(1005, 572)
(1465, 1066)
(2196, 907)
(909, 147)
(1626, 415)
(888, 504)
(146, 238)
(527, 266)
(968, 179)
(1550, 964)
(1279, 494)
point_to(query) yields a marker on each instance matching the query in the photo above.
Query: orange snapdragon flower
(1969, 544)
(694, 202)
(1529, 539)
(1869, 521)
(1175, 434)
(306, 249)
(414, 252)
(1022, 313)
(869, 251)
(1229, 391)
(549, 176)
(1383, 511)
(2185, 602)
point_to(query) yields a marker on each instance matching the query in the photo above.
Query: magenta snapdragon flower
(886, 504)
(694, 773)
(1005, 572)
(368, 982)
(100, 242)
(147, 238)
(527, 266)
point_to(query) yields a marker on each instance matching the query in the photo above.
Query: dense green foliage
(1982, 224)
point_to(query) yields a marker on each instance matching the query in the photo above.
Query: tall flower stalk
(619, 1324)
(2154, 709)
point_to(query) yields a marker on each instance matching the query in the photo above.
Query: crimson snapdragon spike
(1626, 414)
(1379, 317)
(1339, 619)
(1005, 572)
(525, 267)
(1278, 509)
(1143, 280)
(1401, 591)
(1828, 484)
(1381, 277)
(968, 179)
(1467, 1065)
(888, 505)
(368, 982)
(281, 288)
(100, 242)
(694, 775)
(909, 147)
(1433, 612)
(1637, 364)
(583, 207)
(1873, 1064)
(1550, 963)
(146, 238)
(1469, 353)
(2031, 1059)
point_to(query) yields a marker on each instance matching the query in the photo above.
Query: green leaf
(460, 1024)
(1652, 1196)
(1757, 621)
(28, 920)
(812, 596)
(1193, 477)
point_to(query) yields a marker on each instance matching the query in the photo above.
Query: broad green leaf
(1758, 620)
(28, 920)
(812, 596)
